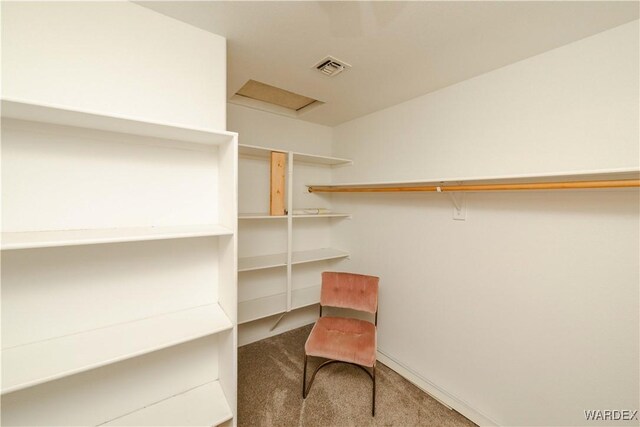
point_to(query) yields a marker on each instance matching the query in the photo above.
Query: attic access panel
(274, 95)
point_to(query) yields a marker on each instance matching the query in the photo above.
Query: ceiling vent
(331, 66)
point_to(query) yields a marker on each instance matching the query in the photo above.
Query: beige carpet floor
(270, 391)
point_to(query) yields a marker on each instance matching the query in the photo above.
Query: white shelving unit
(90, 280)
(286, 235)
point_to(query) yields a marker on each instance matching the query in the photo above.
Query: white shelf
(321, 160)
(587, 175)
(259, 308)
(267, 216)
(280, 260)
(35, 363)
(261, 262)
(256, 151)
(301, 257)
(329, 215)
(205, 405)
(44, 239)
(264, 152)
(260, 216)
(305, 297)
(56, 115)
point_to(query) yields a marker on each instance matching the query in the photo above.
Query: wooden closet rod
(626, 183)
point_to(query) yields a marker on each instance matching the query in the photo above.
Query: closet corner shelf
(58, 115)
(280, 260)
(270, 305)
(264, 152)
(44, 239)
(24, 366)
(204, 405)
(590, 179)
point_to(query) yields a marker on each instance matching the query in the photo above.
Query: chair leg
(371, 374)
(304, 378)
(373, 397)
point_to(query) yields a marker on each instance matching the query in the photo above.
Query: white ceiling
(398, 50)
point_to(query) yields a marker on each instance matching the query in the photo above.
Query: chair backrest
(348, 290)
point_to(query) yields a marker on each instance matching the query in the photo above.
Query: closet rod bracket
(459, 204)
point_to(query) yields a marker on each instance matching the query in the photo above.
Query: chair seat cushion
(339, 338)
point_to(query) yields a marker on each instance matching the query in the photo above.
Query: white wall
(575, 107)
(527, 312)
(113, 58)
(269, 236)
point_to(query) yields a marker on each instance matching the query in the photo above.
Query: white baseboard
(438, 393)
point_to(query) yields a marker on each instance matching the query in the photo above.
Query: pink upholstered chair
(342, 339)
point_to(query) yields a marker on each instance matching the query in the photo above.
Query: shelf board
(57, 115)
(305, 297)
(260, 216)
(259, 308)
(280, 260)
(574, 176)
(35, 363)
(301, 257)
(264, 152)
(267, 216)
(44, 239)
(256, 151)
(261, 262)
(321, 160)
(328, 215)
(205, 405)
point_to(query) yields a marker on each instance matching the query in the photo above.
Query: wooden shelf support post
(276, 200)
